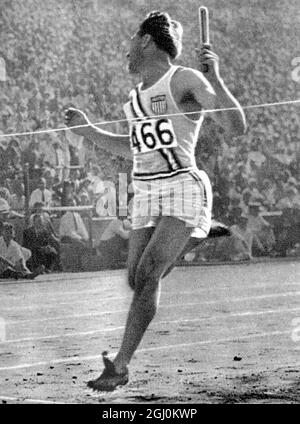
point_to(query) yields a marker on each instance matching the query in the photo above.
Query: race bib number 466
(152, 135)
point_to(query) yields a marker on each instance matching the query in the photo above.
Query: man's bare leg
(166, 243)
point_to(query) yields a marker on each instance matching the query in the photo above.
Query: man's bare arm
(233, 121)
(117, 144)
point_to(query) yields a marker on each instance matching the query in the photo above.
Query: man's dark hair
(165, 32)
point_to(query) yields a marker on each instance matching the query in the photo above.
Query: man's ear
(147, 38)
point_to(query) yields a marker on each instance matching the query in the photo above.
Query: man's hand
(207, 57)
(74, 117)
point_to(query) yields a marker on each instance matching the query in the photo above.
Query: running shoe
(218, 229)
(109, 380)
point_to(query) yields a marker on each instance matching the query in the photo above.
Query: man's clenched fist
(74, 118)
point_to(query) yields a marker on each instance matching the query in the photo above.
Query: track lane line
(66, 277)
(21, 399)
(149, 349)
(163, 306)
(109, 330)
(54, 304)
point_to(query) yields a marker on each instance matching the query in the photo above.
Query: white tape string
(51, 130)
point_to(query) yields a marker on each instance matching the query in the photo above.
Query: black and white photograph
(149, 204)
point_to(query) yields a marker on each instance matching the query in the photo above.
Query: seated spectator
(38, 209)
(113, 244)
(49, 176)
(234, 208)
(13, 257)
(246, 199)
(65, 191)
(13, 154)
(75, 178)
(41, 194)
(6, 212)
(269, 194)
(96, 176)
(291, 199)
(260, 227)
(72, 229)
(59, 159)
(256, 154)
(5, 194)
(43, 244)
(289, 232)
(249, 240)
(30, 156)
(17, 199)
(84, 195)
(253, 188)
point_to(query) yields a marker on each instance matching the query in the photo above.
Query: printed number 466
(150, 134)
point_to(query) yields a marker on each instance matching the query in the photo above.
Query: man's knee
(149, 273)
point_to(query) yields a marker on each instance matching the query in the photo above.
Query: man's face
(135, 54)
(42, 185)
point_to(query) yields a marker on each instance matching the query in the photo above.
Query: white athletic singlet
(166, 180)
(163, 146)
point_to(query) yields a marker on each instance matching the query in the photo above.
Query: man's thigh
(167, 242)
(138, 241)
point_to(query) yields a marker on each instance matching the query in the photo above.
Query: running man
(163, 158)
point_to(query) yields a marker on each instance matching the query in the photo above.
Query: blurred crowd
(73, 53)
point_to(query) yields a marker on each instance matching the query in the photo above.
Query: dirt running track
(223, 334)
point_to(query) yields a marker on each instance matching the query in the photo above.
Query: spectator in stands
(17, 199)
(246, 198)
(38, 209)
(59, 159)
(245, 239)
(41, 194)
(254, 189)
(260, 228)
(65, 191)
(255, 155)
(6, 212)
(13, 154)
(43, 244)
(113, 244)
(235, 208)
(72, 229)
(97, 186)
(30, 156)
(84, 195)
(289, 231)
(5, 194)
(291, 199)
(13, 257)
(269, 194)
(75, 179)
(48, 174)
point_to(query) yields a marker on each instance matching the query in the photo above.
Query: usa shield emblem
(159, 105)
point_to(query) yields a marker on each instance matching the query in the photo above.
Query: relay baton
(204, 31)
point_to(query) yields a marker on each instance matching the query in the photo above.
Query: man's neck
(153, 72)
